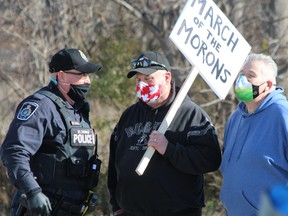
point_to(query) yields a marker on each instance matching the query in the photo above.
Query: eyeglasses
(76, 74)
(146, 63)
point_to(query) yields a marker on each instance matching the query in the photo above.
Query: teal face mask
(244, 90)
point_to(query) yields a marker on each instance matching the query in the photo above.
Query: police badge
(27, 110)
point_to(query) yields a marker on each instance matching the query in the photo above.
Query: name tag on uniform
(82, 137)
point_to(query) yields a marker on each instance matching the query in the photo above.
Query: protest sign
(209, 41)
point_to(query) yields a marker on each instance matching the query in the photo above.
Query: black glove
(38, 203)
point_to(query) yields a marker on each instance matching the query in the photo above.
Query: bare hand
(158, 141)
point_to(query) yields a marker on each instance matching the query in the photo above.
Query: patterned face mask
(148, 93)
(244, 90)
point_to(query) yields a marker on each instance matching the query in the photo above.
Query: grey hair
(271, 71)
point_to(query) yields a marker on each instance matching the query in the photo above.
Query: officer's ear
(60, 76)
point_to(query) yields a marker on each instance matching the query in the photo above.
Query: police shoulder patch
(27, 110)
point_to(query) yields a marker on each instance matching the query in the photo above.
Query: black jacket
(172, 182)
(36, 133)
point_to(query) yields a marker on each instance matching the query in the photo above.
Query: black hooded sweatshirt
(171, 182)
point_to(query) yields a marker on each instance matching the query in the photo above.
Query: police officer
(49, 150)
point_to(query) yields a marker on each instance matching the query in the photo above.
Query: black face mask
(78, 93)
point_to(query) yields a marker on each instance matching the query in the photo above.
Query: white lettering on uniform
(83, 138)
(74, 138)
(82, 131)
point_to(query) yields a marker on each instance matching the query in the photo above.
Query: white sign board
(210, 42)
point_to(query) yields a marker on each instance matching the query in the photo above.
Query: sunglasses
(76, 74)
(146, 63)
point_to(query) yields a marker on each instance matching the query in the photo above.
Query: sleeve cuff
(33, 192)
(169, 150)
(27, 184)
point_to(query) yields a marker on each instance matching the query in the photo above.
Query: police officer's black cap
(70, 58)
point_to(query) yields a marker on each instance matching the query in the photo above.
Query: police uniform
(50, 145)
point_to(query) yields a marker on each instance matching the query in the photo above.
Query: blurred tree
(112, 33)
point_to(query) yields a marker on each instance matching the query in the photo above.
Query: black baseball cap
(154, 61)
(70, 58)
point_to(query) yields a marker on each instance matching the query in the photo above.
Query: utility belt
(63, 206)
